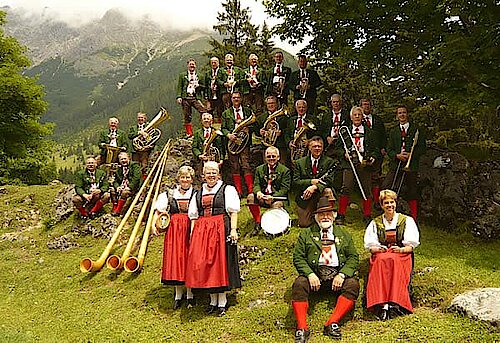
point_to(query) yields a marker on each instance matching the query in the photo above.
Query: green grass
(45, 298)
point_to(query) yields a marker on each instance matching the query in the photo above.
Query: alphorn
(88, 265)
(132, 263)
(114, 262)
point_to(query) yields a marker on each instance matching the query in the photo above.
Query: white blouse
(161, 204)
(410, 236)
(231, 199)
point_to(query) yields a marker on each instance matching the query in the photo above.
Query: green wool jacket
(239, 76)
(302, 176)
(121, 140)
(262, 76)
(308, 251)
(281, 183)
(82, 182)
(184, 81)
(394, 146)
(199, 139)
(370, 148)
(229, 121)
(219, 81)
(134, 176)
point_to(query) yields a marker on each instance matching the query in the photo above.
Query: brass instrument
(231, 82)
(303, 87)
(342, 131)
(87, 264)
(211, 152)
(299, 141)
(243, 137)
(279, 87)
(213, 86)
(406, 168)
(112, 152)
(349, 158)
(151, 134)
(272, 127)
(252, 80)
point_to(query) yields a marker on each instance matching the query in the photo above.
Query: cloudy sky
(181, 14)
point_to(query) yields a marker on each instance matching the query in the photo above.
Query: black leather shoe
(211, 309)
(256, 230)
(221, 311)
(395, 311)
(384, 314)
(332, 331)
(301, 335)
(190, 303)
(177, 304)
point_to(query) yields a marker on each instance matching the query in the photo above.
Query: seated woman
(176, 241)
(391, 238)
(212, 263)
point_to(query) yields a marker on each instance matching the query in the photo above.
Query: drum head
(275, 221)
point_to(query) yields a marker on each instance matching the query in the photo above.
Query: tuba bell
(212, 152)
(272, 127)
(151, 133)
(242, 136)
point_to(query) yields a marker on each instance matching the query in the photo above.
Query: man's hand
(203, 157)
(262, 132)
(329, 139)
(403, 156)
(314, 182)
(337, 282)
(309, 192)
(314, 282)
(96, 191)
(232, 137)
(87, 197)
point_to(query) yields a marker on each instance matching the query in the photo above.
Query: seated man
(127, 182)
(326, 260)
(91, 187)
(111, 141)
(312, 178)
(271, 180)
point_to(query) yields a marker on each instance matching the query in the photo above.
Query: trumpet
(349, 158)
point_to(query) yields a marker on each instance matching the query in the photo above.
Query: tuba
(211, 152)
(299, 141)
(272, 127)
(152, 134)
(242, 136)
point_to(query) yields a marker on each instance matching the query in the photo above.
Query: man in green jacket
(91, 187)
(326, 260)
(271, 180)
(312, 178)
(127, 182)
(111, 141)
(404, 145)
(200, 139)
(189, 94)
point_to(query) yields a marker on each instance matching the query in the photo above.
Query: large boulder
(63, 203)
(482, 304)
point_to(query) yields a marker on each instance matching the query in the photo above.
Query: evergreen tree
(24, 155)
(265, 47)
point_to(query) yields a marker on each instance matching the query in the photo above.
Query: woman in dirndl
(176, 241)
(213, 251)
(391, 238)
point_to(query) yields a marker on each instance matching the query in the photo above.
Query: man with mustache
(327, 261)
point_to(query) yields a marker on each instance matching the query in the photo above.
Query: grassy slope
(45, 298)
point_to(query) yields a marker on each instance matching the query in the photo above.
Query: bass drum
(275, 222)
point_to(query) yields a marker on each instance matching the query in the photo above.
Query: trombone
(406, 168)
(349, 158)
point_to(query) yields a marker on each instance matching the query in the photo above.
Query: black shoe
(190, 303)
(367, 220)
(395, 311)
(221, 311)
(256, 230)
(211, 309)
(177, 303)
(332, 331)
(340, 220)
(301, 335)
(384, 314)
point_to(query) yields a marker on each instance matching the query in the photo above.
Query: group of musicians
(303, 152)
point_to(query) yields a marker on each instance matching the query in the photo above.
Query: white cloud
(179, 14)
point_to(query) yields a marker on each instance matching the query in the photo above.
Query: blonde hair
(387, 193)
(185, 170)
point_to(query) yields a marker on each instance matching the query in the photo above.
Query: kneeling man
(326, 260)
(271, 185)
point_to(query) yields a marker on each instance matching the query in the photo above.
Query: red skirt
(175, 250)
(388, 280)
(207, 262)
